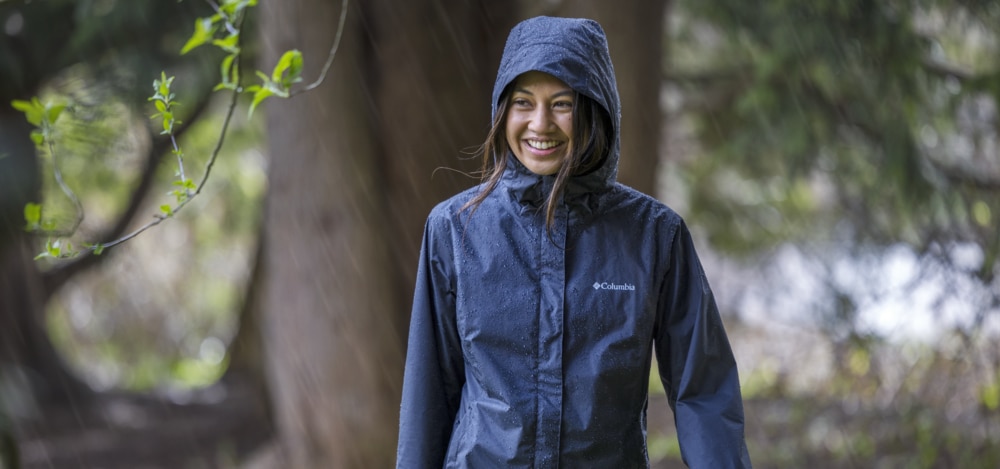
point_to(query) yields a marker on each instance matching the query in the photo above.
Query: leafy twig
(160, 217)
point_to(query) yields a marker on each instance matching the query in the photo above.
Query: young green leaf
(260, 95)
(32, 110)
(53, 248)
(204, 29)
(163, 85)
(229, 44)
(32, 215)
(52, 112)
(228, 70)
(289, 69)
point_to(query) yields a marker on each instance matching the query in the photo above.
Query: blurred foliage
(910, 405)
(160, 311)
(864, 120)
(848, 152)
(118, 42)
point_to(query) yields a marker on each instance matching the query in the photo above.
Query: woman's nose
(541, 119)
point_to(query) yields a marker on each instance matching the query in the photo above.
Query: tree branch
(56, 277)
(963, 174)
(333, 52)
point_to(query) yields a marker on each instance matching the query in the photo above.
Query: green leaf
(33, 110)
(98, 249)
(228, 7)
(163, 86)
(186, 183)
(21, 105)
(229, 44)
(289, 68)
(228, 71)
(981, 213)
(167, 210)
(53, 112)
(258, 97)
(38, 137)
(53, 248)
(32, 215)
(160, 106)
(204, 29)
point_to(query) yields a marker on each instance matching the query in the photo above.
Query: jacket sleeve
(434, 371)
(697, 366)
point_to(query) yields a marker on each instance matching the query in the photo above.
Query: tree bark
(329, 333)
(31, 370)
(352, 178)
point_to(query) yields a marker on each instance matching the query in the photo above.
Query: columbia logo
(613, 286)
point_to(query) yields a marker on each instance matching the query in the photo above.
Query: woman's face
(540, 121)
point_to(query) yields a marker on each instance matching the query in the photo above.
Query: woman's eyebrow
(566, 92)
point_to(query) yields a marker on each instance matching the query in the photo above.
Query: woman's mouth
(542, 145)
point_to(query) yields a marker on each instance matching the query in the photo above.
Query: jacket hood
(576, 52)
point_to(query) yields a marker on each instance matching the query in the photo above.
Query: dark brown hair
(593, 135)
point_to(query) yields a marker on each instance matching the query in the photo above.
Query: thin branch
(54, 278)
(978, 179)
(333, 52)
(942, 68)
(57, 172)
(159, 218)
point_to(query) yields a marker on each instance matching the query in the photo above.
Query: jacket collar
(531, 191)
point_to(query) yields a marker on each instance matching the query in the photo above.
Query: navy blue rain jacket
(532, 350)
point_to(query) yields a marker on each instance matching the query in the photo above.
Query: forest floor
(799, 413)
(213, 428)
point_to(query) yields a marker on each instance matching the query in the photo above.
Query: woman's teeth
(542, 145)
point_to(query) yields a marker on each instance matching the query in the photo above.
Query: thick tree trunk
(329, 332)
(635, 38)
(351, 181)
(31, 372)
(435, 69)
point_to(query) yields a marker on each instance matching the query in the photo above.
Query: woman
(543, 293)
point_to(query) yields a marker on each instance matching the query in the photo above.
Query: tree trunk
(350, 185)
(635, 37)
(435, 72)
(31, 371)
(330, 337)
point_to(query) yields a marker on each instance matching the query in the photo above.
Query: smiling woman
(540, 122)
(543, 294)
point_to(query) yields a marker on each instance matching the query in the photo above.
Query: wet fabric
(532, 349)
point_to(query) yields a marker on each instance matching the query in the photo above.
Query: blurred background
(838, 162)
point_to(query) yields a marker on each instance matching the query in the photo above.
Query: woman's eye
(521, 102)
(563, 105)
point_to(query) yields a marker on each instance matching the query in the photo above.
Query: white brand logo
(613, 286)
